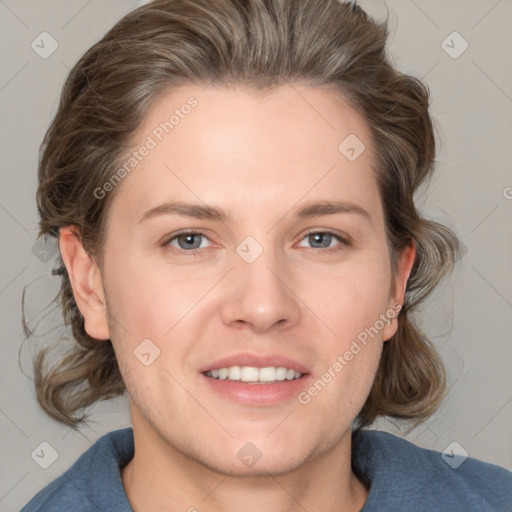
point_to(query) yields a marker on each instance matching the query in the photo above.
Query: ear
(404, 267)
(85, 277)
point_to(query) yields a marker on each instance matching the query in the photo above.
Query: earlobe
(85, 277)
(405, 264)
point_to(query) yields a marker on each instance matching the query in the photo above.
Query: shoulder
(408, 477)
(93, 482)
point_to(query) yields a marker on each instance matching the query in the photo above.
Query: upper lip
(255, 360)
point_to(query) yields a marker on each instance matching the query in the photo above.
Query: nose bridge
(261, 295)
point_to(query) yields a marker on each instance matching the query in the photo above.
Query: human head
(259, 46)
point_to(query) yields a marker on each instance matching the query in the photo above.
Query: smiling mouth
(254, 375)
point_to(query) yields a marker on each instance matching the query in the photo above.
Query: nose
(261, 296)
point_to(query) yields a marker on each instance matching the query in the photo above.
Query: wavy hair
(257, 44)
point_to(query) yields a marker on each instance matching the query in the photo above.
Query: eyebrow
(205, 212)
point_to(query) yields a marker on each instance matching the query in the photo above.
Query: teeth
(249, 374)
(281, 373)
(267, 374)
(234, 373)
(253, 374)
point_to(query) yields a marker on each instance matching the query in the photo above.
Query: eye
(324, 239)
(188, 241)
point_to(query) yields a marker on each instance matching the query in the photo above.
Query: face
(283, 285)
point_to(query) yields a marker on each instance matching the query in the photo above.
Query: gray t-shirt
(402, 478)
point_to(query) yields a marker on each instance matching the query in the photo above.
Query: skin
(260, 158)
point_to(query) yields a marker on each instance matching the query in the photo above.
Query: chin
(270, 465)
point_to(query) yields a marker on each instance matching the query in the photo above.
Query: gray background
(469, 318)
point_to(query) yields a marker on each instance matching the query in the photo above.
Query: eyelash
(343, 241)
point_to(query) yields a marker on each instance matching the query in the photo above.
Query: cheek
(149, 302)
(354, 299)
(153, 320)
(353, 305)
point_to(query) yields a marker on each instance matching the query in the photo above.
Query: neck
(160, 478)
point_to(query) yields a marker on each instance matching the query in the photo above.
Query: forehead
(219, 145)
(232, 118)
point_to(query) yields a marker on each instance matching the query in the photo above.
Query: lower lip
(258, 394)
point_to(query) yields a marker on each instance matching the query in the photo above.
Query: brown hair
(258, 44)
